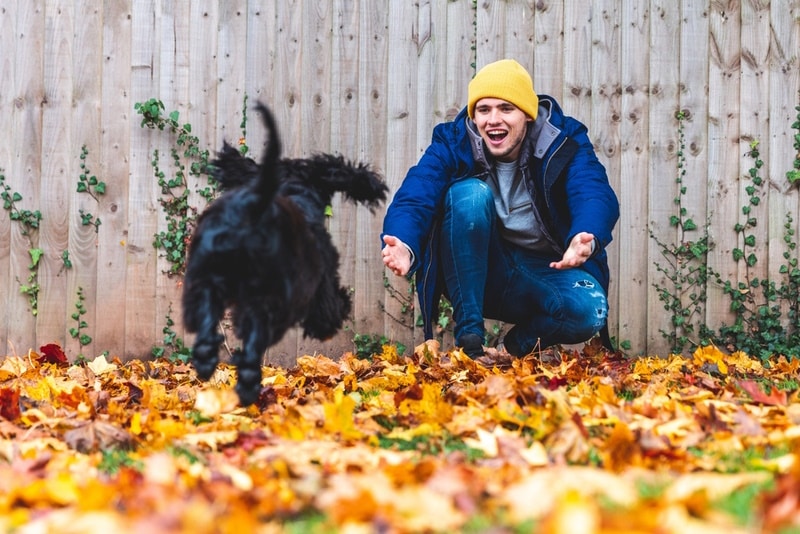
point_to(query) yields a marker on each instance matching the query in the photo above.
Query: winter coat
(567, 183)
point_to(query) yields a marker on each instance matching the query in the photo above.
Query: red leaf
(775, 397)
(9, 404)
(52, 353)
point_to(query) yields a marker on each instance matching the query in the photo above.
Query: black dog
(262, 250)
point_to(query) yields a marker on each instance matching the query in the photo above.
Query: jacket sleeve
(417, 201)
(592, 203)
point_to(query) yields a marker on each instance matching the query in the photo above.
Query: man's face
(502, 126)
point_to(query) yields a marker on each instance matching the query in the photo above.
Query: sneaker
(471, 344)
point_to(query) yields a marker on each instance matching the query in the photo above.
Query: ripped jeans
(489, 277)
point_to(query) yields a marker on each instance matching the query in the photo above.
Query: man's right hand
(396, 255)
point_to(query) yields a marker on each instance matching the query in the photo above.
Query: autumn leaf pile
(432, 442)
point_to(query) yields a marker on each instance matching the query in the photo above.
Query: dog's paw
(205, 358)
(248, 385)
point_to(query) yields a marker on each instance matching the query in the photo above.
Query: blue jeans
(489, 277)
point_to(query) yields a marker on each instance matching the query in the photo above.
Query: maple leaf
(710, 355)
(9, 404)
(773, 396)
(52, 353)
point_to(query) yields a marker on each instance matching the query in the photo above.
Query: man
(507, 214)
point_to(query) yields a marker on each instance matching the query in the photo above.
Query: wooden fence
(369, 79)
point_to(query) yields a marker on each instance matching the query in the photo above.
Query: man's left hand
(580, 249)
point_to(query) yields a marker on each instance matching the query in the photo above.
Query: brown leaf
(97, 435)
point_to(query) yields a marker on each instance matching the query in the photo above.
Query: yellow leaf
(238, 478)
(212, 440)
(101, 366)
(432, 407)
(13, 366)
(59, 489)
(136, 423)
(712, 355)
(339, 416)
(486, 442)
(212, 402)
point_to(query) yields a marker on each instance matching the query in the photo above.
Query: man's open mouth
(496, 135)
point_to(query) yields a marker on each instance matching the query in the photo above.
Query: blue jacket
(560, 168)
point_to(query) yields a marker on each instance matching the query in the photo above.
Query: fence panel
(369, 80)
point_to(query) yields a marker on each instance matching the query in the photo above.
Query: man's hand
(580, 248)
(396, 255)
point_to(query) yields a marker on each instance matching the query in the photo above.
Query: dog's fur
(261, 249)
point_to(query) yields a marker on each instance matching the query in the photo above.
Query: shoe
(471, 344)
(511, 347)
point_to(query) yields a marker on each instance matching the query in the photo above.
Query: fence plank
(630, 277)
(114, 148)
(57, 175)
(783, 70)
(489, 28)
(694, 82)
(346, 99)
(754, 126)
(519, 32)
(315, 111)
(457, 61)
(172, 78)
(8, 37)
(24, 171)
(548, 65)
(663, 145)
(141, 318)
(604, 129)
(87, 64)
(288, 65)
(723, 146)
(400, 94)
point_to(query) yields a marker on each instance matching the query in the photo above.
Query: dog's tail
(270, 170)
(358, 182)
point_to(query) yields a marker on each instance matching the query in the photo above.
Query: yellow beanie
(507, 80)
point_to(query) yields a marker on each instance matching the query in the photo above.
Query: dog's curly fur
(262, 250)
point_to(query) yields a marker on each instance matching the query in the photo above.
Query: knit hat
(507, 80)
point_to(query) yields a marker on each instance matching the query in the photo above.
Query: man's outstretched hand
(580, 249)
(396, 255)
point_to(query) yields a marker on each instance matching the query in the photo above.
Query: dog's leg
(205, 314)
(331, 307)
(248, 360)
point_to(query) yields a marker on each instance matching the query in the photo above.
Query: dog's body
(262, 250)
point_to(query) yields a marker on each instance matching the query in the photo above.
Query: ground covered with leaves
(432, 442)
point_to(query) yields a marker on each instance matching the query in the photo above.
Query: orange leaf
(775, 397)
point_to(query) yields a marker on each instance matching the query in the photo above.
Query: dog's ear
(232, 170)
(358, 182)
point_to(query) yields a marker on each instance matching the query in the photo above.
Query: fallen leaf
(774, 396)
